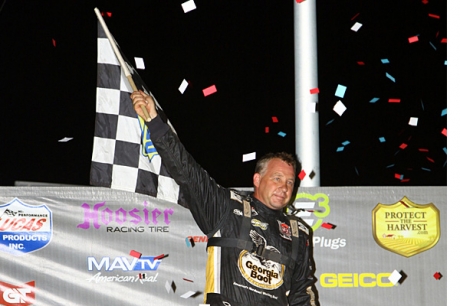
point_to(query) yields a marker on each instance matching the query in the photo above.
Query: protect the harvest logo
(406, 228)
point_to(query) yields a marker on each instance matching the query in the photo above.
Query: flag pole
(120, 59)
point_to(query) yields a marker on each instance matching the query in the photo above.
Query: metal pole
(306, 79)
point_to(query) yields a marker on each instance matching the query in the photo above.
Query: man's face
(274, 187)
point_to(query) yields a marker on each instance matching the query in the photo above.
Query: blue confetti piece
(340, 91)
(282, 134)
(401, 177)
(426, 169)
(382, 139)
(445, 163)
(340, 149)
(385, 61)
(374, 100)
(345, 143)
(423, 106)
(444, 112)
(390, 166)
(445, 63)
(445, 150)
(390, 77)
(356, 169)
(433, 46)
(329, 122)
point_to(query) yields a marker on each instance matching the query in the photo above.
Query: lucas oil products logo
(406, 228)
(24, 228)
(11, 295)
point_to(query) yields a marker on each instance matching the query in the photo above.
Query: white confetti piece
(311, 107)
(188, 6)
(167, 286)
(356, 26)
(394, 277)
(188, 294)
(249, 156)
(139, 62)
(413, 121)
(65, 139)
(339, 108)
(183, 86)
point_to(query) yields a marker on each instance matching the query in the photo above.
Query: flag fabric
(123, 156)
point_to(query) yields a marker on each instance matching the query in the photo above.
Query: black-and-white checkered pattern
(118, 160)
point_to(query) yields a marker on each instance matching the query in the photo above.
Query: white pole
(306, 78)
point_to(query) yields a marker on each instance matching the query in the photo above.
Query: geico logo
(145, 263)
(344, 280)
(16, 295)
(334, 244)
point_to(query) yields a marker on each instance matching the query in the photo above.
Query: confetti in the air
(413, 121)
(444, 112)
(188, 294)
(65, 139)
(183, 86)
(340, 91)
(210, 90)
(394, 277)
(328, 225)
(312, 174)
(340, 149)
(382, 139)
(311, 107)
(302, 174)
(385, 61)
(188, 6)
(394, 100)
(434, 16)
(139, 62)
(249, 157)
(134, 253)
(374, 100)
(413, 39)
(444, 131)
(390, 77)
(189, 242)
(360, 63)
(267, 130)
(282, 134)
(187, 280)
(356, 26)
(54, 42)
(339, 108)
(437, 275)
(274, 119)
(403, 146)
(314, 90)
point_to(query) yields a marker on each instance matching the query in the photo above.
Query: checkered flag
(124, 157)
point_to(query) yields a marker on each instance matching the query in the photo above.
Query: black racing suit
(236, 275)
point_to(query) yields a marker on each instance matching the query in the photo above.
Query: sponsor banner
(99, 246)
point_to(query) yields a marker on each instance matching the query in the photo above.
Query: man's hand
(140, 99)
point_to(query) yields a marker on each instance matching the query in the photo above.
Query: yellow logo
(305, 203)
(406, 228)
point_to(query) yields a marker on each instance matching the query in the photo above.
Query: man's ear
(256, 180)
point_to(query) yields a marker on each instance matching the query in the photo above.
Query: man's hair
(261, 165)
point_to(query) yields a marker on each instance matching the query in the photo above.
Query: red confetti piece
(403, 146)
(54, 42)
(274, 119)
(402, 202)
(437, 275)
(444, 132)
(187, 280)
(398, 176)
(210, 90)
(314, 90)
(405, 180)
(423, 150)
(355, 16)
(327, 225)
(302, 175)
(413, 39)
(267, 130)
(444, 41)
(360, 63)
(430, 159)
(434, 16)
(135, 254)
(394, 100)
(109, 14)
(159, 256)
(425, 1)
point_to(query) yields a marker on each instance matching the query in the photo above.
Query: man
(257, 255)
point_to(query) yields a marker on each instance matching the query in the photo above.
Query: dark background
(246, 49)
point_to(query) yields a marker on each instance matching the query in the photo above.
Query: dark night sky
(246, 49)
